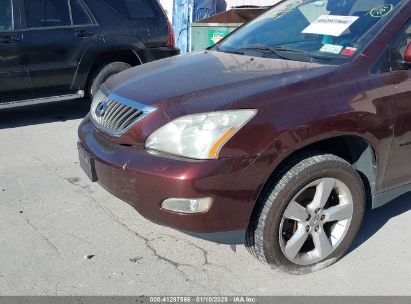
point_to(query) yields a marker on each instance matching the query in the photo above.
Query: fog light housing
(188, 205)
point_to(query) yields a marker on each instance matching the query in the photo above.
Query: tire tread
(254, 240)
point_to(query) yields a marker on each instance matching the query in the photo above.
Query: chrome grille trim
(115, 115)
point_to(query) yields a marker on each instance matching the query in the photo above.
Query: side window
(47, 13)
(383, 64)
(408, 32)
(6, 15)
(134, 10)
(79, 14)
(398, 48)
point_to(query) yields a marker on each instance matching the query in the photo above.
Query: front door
(13, 73)
(398, 170)
(56, 33)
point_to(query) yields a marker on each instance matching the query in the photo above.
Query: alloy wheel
(316, 221)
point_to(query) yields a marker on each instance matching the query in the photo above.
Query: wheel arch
(355, 149)
(127, 56)
(89, 65)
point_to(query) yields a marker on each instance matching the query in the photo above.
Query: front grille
(115, 115)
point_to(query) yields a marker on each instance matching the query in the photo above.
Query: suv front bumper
(145, 180)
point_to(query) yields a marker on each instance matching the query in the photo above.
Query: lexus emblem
(101, 109)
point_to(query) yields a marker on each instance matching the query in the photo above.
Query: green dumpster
(204, 35)
(209, 31)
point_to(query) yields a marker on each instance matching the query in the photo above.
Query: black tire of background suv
(102, 73)
(262, 234)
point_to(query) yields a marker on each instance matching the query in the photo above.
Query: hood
(208, 80)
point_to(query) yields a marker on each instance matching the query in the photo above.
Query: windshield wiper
(230, 51)
(277, 50)
(284, 49)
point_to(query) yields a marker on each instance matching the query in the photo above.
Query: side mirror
(407, 54)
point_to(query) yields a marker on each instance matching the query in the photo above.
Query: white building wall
(168, 7)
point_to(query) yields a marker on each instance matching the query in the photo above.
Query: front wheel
(310, 216)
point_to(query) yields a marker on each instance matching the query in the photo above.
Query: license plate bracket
(87, 162)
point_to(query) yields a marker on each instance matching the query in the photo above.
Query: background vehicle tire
(101, 74)
(317, 195)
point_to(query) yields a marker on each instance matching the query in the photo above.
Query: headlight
(199, 136)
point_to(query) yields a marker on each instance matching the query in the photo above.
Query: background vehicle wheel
(309, 217)
(101, 74)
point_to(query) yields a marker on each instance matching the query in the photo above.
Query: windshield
(325, 31)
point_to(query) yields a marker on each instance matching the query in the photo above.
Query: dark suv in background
(64, 49)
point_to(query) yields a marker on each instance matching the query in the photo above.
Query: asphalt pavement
(60, 234)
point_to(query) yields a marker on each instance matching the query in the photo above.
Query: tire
(102, 73)
(279, 226)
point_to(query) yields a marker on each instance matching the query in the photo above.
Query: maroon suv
(284, 129)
